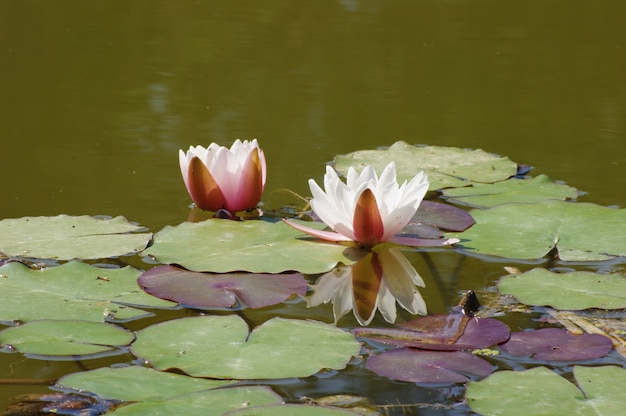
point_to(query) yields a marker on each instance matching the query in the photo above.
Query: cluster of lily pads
(74, 266)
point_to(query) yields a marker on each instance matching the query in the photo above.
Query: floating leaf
(65, 339)
(254, 246)
(441, 332)
(223, 347)
(541, 392)
(67, 237)
(418, 366)
(433, 216)
(203, 290)
(572, 291)
(291, 410)
(556, 344)
(580, 231)
(214, 402)
(446, 167)
(135, 383)
(158, 393)
(75, 290)
(532, 190)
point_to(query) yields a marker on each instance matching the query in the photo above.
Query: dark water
(96, 98)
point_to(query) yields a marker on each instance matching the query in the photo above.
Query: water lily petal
(250, 187)
(329, 206)
(368, 227)
(203, 188)
(324, 235)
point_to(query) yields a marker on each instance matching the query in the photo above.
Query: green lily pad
(139, 383)
(579, 231)
(571, 291)
(157, 393)
(223, 347)
(540, 391)
(73, 290)
(65, 339)
(67, 237)
(291, 410)
(202, 403)
(446, 167)
(256, 246)
(533, 190)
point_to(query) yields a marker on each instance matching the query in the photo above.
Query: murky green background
(96, 97)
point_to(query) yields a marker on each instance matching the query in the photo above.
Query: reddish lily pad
(556, 344)
(417, 366)
(209, 291)
(441, 216)
(441, 332)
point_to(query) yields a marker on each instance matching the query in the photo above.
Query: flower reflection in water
(376, 281)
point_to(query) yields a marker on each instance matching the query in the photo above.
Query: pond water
(97, 98)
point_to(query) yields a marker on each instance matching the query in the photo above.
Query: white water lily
(367, 209)
(218, 178)
(377, 281)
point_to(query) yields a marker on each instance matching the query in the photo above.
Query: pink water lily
(367, 209)
(219, 178)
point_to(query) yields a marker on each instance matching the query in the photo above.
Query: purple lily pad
(556, 344)
(450, 332)
(210, 291)
(418, 366)
(438, 216)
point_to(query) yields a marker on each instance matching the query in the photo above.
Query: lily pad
(431, 217)
(210, 291)
(441, 332)
(579, 231)
(67, 237)
(532, 190)
(418, 366)
(541, 392)
(291, 410)
(135, 383)
(65, 339)
(446, 167)
(255, 246)
(223, 347)
(556, 344)
(572, 291)
(75, 290)
(158, 393)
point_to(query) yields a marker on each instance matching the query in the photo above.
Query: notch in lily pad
(219, 291)
(598, 391)
(224, 347)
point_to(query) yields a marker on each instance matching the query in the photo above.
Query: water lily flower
(367, 209)
(378, 280)
(219, 178)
